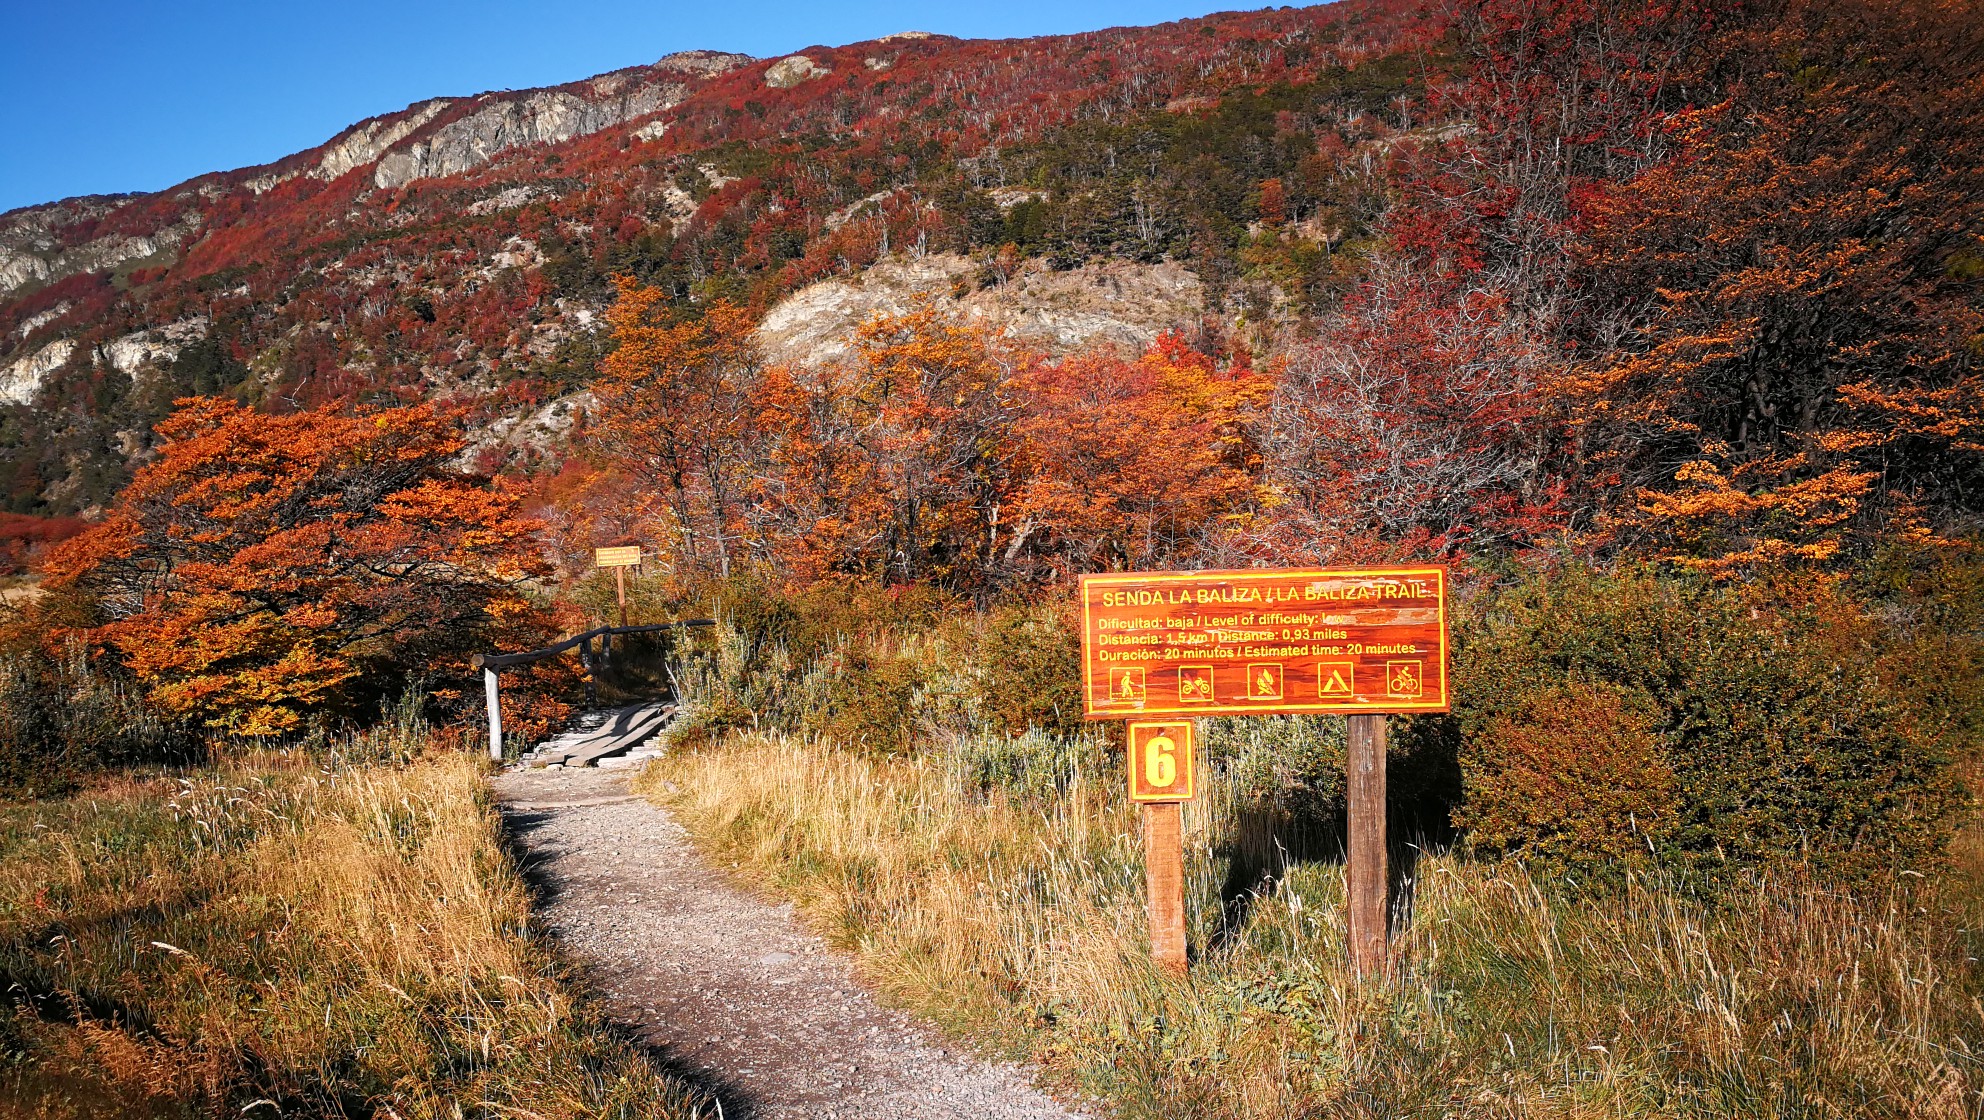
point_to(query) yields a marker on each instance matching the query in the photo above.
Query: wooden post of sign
(1164, 865)
(1365, 871)
(620, 586)
(494, 699)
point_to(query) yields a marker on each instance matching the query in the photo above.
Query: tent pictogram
(1335, 680)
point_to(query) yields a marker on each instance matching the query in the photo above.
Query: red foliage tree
(267, 566)
(1128, 465)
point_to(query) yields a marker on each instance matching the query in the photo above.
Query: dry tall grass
(280, 939)
(1011, 908)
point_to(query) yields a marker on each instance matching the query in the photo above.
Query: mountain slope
(461, 246)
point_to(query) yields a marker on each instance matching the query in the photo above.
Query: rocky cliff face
(366, 142)
(22, 378)
(1115, 302)
(429, 139)
(36, 245)
(540, 118)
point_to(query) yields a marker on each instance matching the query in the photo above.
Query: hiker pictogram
(1405, 678)
(1126, 685)
(1334, 680)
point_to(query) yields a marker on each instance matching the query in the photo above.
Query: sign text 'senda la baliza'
(1259, 643)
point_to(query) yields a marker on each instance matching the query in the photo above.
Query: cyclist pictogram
(1405, 678)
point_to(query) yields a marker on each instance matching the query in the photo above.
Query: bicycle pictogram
(1405, 678)
(1195, 684)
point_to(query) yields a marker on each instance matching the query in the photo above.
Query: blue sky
(101, 96)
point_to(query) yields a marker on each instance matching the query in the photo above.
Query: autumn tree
(1422, 417)
(1416, 424)
(671, 417)
(1783, 347)
(264, 567)
(889, 464)
(1129, 464)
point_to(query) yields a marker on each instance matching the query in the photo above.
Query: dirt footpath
(728, 989)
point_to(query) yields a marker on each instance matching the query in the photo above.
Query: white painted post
(495, 702)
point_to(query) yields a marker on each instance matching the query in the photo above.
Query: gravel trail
(724, 987)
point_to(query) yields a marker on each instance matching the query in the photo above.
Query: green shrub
(1029, 670)
(60, 717)
(1713, 725)
(1577, 775)
(868, 698)
(1288, 763)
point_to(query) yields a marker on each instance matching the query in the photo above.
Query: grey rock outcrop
(20, 381)
(539, 118)
(1116, 303)
(139, 349)
(31, 248)
(793, 69)
(366, 142)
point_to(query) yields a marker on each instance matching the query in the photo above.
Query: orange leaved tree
(1785, 319)
(1125, 465)
(671, 416)
(267, 566)
(888, 465)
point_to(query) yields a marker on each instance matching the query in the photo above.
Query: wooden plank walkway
(618, 732)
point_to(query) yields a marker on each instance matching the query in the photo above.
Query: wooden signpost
(619, 559)
(1362, 642)
(1160, 770)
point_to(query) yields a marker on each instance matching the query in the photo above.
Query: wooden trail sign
(1360, 641)
(619, 558)
(1266, 642)
(1161, 761)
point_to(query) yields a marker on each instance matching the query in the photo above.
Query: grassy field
(288, 938)
(996, 885)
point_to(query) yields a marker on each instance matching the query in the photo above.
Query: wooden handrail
(490, 662)
(502, 660)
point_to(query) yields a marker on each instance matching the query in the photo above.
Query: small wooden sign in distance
(628, 556)
(1160, 759)
(1264, 642)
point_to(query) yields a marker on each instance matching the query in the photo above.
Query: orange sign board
(1264, 642)
(628, 556)
(1160, 758)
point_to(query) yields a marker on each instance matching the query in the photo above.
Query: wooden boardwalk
(604, 735)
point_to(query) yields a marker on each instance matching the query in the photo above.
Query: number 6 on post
(1160, 758)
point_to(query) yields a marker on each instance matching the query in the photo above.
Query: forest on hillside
(1659, 325)
(1683, 290)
